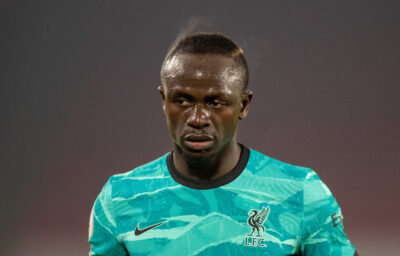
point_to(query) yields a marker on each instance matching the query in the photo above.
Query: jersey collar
(218, 182)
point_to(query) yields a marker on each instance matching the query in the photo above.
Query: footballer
(212, 195)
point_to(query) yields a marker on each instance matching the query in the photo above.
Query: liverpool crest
(256, 222)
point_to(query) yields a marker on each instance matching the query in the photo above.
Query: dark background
(79, 103)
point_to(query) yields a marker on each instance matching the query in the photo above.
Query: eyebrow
(178, 93)
(214, 96)
(181, 94)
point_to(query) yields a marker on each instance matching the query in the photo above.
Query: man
(211, 195)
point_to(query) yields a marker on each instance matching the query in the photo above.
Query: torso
(258, 212)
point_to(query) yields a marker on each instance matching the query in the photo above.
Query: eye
(217, 104)
(182, 102)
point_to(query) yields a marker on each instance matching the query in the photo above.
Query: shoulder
(314, 189)
(263, 165)
(140, 179)
(150, 170)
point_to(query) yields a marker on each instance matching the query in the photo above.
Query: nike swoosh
(141, 231)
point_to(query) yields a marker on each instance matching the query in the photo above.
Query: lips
(198, 142)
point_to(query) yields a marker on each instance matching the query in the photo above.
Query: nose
(199, 117)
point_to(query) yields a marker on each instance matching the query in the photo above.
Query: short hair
(209, 43)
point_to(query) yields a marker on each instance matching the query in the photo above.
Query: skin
(203, 99)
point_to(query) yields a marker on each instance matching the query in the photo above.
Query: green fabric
(296, 213)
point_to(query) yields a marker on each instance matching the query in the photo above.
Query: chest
(227, 220)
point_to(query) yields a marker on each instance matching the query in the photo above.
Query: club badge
(256, 222)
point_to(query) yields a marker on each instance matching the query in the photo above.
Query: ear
(245, 104)
(162, 93)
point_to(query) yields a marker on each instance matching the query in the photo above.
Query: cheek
(174, 118)
(228, 122)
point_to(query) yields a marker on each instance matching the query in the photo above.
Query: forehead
(202, 69)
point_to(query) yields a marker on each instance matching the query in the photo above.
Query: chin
(196, 159)
(195, 156)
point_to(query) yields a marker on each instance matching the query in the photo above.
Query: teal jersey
(261, 207)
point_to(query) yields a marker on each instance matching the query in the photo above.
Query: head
(204, 93)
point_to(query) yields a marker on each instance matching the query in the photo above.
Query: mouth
(196, 142)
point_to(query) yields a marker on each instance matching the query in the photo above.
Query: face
(203, 100)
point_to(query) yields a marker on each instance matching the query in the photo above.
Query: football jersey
(261, 207)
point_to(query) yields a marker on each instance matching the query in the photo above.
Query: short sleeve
(102, 227)
(323, 222)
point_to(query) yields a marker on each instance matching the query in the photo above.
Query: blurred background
(79, 103)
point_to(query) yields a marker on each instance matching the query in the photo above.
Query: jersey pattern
(270, 208)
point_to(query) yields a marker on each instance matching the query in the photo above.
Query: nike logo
(141, 231)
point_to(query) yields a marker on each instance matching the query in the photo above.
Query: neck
(208, 168)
